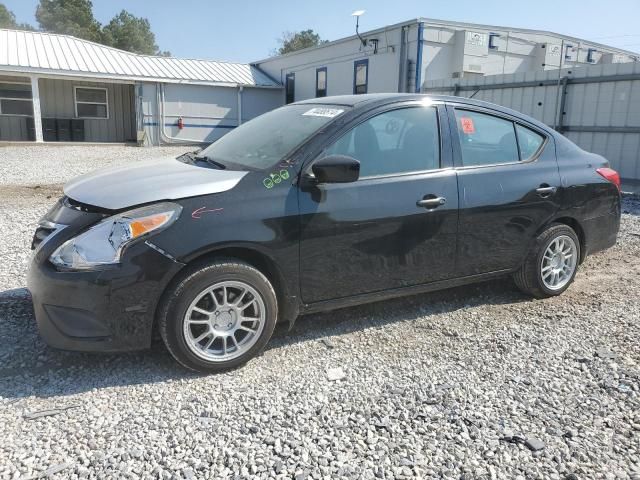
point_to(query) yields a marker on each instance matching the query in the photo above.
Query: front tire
(218, 316)
(551, 264)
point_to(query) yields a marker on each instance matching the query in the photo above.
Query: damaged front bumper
(108, 310)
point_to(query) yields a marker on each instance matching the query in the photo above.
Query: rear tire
(551, 264)
(218, 316)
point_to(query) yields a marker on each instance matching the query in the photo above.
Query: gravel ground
(474, 382)
(32, 165)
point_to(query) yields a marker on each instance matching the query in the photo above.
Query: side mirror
(336, 169)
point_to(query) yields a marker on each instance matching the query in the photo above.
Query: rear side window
(529, 142)
(485, 139)
(399, 141)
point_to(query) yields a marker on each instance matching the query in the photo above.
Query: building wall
(601, 111)
(462, 51)
(339, 58)
(13, 129)
(449, 50)
(57, 101)
(207, 112)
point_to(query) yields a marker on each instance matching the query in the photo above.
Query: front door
(394, 227)
(507, 179)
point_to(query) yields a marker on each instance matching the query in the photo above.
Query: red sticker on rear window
(467, 125)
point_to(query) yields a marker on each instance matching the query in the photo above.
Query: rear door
(507, 179)
(394, 227)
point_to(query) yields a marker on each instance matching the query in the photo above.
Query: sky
(248, 30)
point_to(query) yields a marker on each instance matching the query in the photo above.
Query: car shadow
(631, 203)
(28, 367)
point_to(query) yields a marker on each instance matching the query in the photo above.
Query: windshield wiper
(210, 161)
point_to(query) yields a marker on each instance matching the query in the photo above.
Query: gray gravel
(474, 382)
(52, 165)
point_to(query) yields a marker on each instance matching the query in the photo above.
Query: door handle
(432, 202)
(545, 190)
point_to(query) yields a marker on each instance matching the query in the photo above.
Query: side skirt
(335, 304)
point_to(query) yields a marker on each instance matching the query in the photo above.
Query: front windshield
(265, 140)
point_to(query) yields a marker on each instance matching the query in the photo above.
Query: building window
(492, 41)
(360, 76)
(91, 102)
(16, 99)
(590, 58)
(290, 87)
(321, 82)
(568, 52)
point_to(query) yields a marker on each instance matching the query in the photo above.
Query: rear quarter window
(529, 142)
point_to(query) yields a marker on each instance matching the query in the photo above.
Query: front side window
(360, 76)
(290, 88)
(485, 139)
(399, 141)
(528, 141)
(91, 102)
(265, 141)
(321, 82)
(16, 99)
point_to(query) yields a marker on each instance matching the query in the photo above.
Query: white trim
(76, 101)
(117, 78)
(37, 113)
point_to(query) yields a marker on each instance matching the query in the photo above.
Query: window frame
(492, 46)
(326, 82)
(455, 137)
(76, 102)
(356, 64)
(30, 100)
(567, 55)
(590, 52)
(444, 145)
(289, 77)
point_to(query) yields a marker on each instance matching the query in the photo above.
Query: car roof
(380, 99)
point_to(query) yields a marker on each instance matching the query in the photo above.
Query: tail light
(611, 175)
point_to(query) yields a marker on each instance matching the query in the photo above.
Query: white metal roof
(52, 54)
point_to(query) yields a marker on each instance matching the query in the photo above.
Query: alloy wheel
(559, 262)
(224, 321)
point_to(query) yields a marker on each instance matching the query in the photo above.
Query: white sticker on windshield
(323, 112)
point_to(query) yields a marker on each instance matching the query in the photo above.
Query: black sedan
(314, 206)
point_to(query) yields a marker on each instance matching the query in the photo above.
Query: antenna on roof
(358, 14)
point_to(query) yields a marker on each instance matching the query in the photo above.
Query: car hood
(149, 181)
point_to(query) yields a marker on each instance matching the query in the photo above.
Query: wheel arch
(288, 307)
(575, 225)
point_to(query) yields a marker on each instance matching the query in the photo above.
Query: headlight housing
(103, 243)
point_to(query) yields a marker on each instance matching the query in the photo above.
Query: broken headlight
(103, 243)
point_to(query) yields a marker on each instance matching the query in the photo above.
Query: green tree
(69, 17)
(128, 32)
(8, 20)
(292, 41)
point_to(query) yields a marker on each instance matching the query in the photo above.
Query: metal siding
(57, 101)
(209, 112)
(13, 129)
